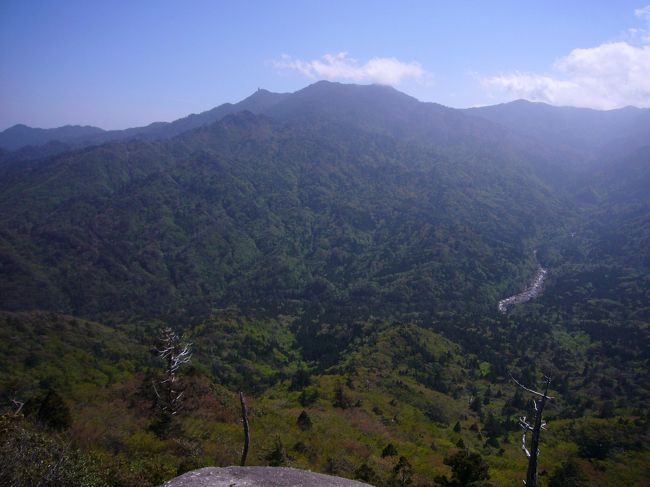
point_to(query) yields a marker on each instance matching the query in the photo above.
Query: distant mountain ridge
(20, 136)
(262, 208)
(581, 129)
(337, 253)
(584, 129)
(277, 207)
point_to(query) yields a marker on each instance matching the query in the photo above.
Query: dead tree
(538, 425)
(18, 405)
(247, 437)
(175, 354)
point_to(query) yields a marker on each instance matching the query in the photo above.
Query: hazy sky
(121, 64)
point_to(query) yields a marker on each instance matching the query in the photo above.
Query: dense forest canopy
(338, 252)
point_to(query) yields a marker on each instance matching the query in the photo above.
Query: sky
(121, 64)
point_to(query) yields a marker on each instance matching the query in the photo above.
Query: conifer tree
(402, 472)
(54, 412)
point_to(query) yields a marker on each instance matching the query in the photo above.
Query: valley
(531, 292)
(340, 252)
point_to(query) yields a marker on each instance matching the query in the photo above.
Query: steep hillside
(337, 254)
(586, 131)
(269, 213)
(20, 136)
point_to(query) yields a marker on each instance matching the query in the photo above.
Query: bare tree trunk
(169, 398)
(247, 437)
(19, 406)
(538, 425)
(175, 354)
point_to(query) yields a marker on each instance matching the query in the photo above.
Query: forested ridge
(339, 251)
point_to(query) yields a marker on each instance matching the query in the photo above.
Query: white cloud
(385, 71)
(643, 13)
(611, 75)
(641, 34)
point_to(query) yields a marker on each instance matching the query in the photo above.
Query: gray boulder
(258, 477)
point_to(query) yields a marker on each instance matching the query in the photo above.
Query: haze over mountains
(582, 128)
(448, 174)
(590, 131)
(19, 136)
(356, 236)
(346, 190)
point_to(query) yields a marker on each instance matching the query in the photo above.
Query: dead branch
(19, 406)
(531, 390)
(535, 429)
(175, 354)
(247, 438)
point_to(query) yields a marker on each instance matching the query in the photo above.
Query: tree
(277, 456)
(169, 394)
(308, 396)
(567, 475)
(492, 427)
(304, 421)
(366, 474)
(341, 400)
(32, 456)
(536, 428)
(300, 380)
(247, 435)
(53, 411)
(389, 451)
(466, 469)
(402, 472)
(476, 405)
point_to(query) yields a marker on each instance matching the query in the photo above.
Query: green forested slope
(255, 212)
(341, 254)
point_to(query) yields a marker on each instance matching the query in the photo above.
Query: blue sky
(120, 64)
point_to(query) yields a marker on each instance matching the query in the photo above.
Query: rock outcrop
(258, 477)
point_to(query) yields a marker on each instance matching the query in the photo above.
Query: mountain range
(485, 172)
(339, 169)
(339, 241)
(587, 130)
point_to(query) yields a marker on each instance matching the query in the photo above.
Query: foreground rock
(258, 477)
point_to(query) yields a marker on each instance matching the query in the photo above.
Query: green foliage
(30, 457)
(308, 397)
(366, 474)
(52, 411)
(389, 451)
(397, 401)
(341, 399)
(597, 439)
(468, 469)
(304, 421)
(568, 474)
(246, 353)
(336, 262)
(402, 473)
(277, 456)
(49, 351)
(271, 217)
(300, 380)
(492, 427)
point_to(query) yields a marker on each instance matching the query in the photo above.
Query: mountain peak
(351, 87)
(21, 135)
(260, 101)
(18, 126)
